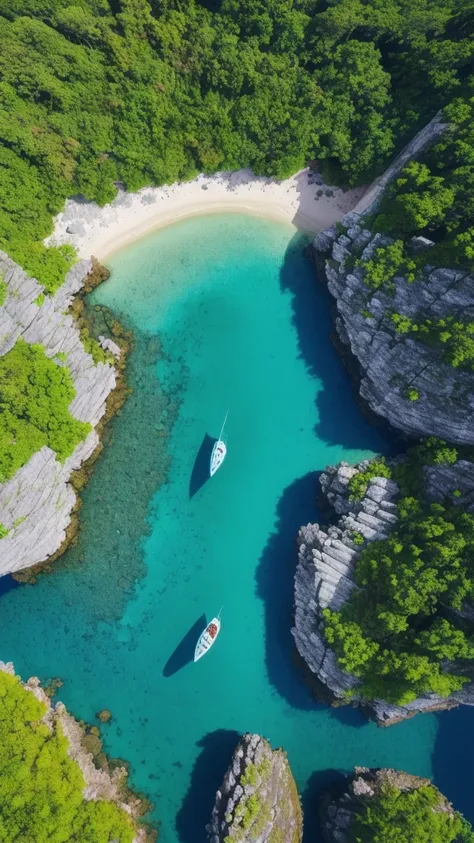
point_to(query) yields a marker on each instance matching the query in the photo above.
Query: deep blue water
(226, 313)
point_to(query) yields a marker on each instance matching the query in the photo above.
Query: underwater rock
(37, 502)
(105, 716)
(324, 579)
(258, 800)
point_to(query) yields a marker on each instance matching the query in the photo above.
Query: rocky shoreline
(324, 579)
(257, 801)
(106, 780)
(390, 366)
(38, 505)
(364, 786)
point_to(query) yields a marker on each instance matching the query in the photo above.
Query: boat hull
(207, 639)
(217, 456)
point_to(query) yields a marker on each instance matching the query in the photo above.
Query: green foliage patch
(385, 264)
(393, 633)
(35, 394)
(435, 195)
(358, 484)
(41, 786)
(416, 816)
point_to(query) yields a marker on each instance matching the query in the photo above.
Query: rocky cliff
(258, 801)
(364, 786)
(325, 577)
(392, 366)
(36, 503)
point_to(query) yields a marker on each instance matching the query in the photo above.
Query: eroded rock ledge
(258, 801)
(36, 504)
(325, 578)
(390, 364)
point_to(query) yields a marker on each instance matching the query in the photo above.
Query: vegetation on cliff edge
(400, 632)
(41, 787)
(35, 394)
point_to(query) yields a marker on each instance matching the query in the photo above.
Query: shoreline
(303, 201)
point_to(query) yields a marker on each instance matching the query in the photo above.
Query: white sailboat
(207, 638)
(219, 451)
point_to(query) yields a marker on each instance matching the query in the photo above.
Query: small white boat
(219, 451)
(207, 638)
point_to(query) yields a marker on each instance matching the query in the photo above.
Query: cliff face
(258, 801)
(36, 504)
(325, 578)
(391, 363)
(365, 785)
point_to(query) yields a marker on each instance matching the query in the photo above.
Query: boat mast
(223, 425)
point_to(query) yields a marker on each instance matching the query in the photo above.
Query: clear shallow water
(241, 324)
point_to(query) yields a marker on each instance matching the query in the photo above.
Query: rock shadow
(206, 777)
(184, 652)
(452, 760)
(7, 583)
(321, 785)
(274, 578)
(200, 472)
(340, 422)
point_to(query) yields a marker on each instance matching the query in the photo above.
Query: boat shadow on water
(200, 472)
(184, 652)
(206, 777)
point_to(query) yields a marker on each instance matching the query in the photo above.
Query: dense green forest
(35, 394)
(41, 787)
(401, 631)
(421, 815)
(152, 91)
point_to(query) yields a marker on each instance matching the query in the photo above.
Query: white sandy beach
(303, 201)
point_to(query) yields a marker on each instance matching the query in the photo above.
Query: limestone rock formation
(325, 578)
(366, 784)
(392, 364)
(258, 801)
(36, 503)
(99, 783)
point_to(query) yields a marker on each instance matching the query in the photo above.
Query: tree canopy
(41, 787)
(94, 92)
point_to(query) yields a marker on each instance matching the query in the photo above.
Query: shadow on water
(452, 761)
(200, 472)
(340, 422)
(184, 652)
(274, 576)
(7, 583)
(206, 778)
(320, 784)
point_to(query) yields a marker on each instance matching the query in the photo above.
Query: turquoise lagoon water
(226, 314)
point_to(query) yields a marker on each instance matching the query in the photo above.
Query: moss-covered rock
(258, 801)
(388, 805)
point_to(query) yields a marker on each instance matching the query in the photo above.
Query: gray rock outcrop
(393, 365)
(258, 801)
(36, 503)
(325, 579)
(366, 785)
